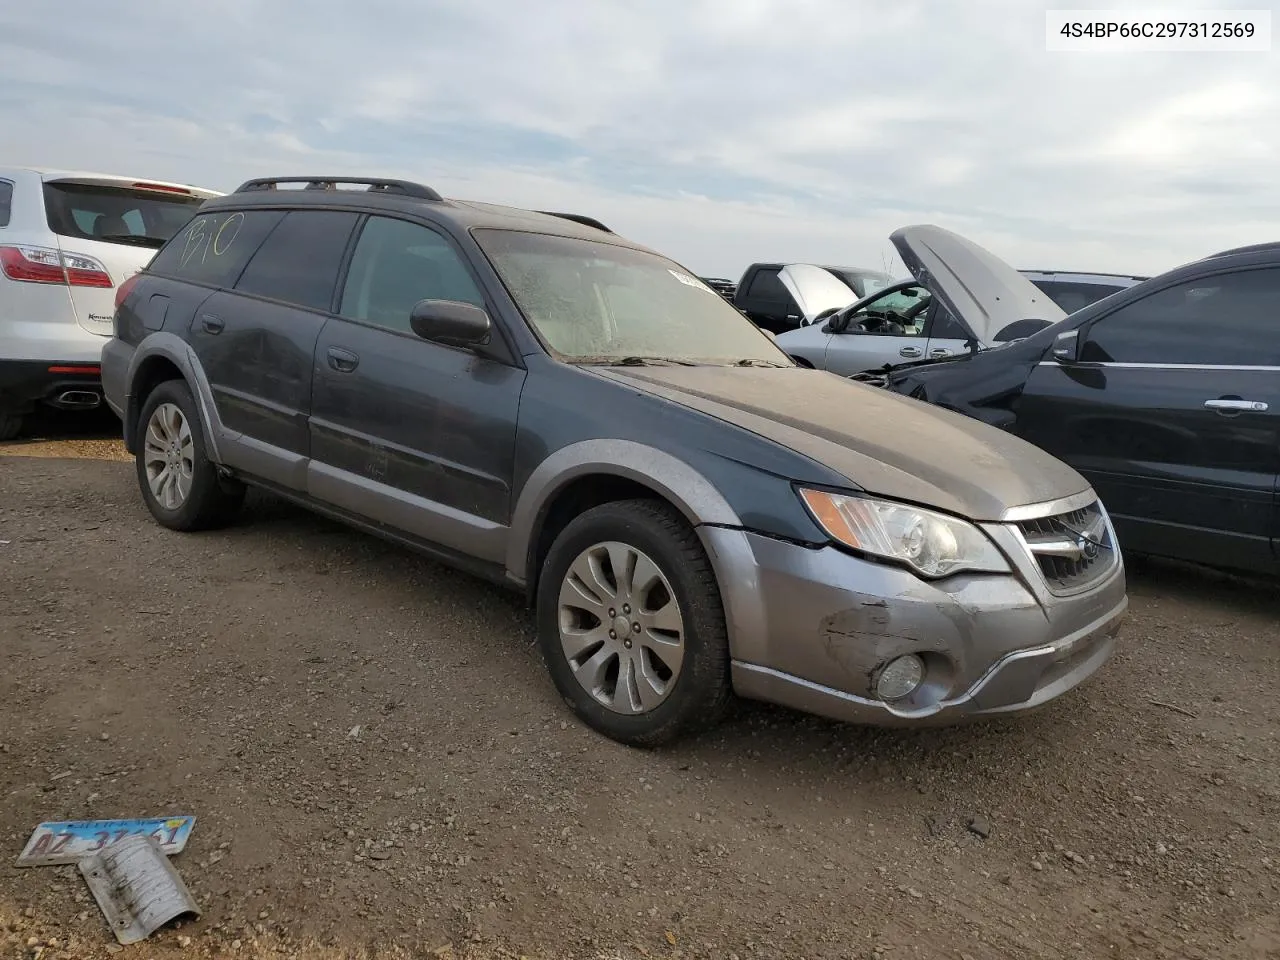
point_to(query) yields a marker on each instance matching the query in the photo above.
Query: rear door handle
(211, 324)
(910, 352)
(344, 361)
(1234, 405)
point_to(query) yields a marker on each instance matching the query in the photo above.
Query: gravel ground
(381, 768)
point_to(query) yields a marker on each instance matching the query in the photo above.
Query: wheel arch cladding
(161, 357)
(586, 474)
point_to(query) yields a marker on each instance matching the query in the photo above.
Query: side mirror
(450, 322)
(839, 322)
(1066, 346)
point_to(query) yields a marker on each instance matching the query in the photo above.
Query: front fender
(688, 490)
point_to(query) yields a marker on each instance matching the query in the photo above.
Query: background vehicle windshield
(598, 301)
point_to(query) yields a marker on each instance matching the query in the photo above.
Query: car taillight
(45, 265)
(125, 289)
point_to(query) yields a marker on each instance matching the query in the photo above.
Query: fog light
(900, 677)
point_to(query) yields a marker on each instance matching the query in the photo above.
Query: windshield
(143, 218)
(863, 282)
(599, 302)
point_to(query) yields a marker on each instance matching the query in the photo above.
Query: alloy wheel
(621, 629)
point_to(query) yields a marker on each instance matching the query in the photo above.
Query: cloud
(719, 131)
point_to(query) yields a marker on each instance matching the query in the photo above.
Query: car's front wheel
(631, 624)
(179, 482)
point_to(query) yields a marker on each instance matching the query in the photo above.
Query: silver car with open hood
(960, 297)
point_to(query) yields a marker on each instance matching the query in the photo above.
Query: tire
(201, 500)
(10, 425)
(678, 689)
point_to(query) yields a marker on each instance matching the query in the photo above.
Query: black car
(1166, 396)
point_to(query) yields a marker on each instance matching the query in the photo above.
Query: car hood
(975, 284)
(880, 441)
(815, 289)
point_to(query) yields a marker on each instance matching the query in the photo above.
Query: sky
(720, 132)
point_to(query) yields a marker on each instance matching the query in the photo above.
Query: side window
(766, 285)
(899, 313)
(396, 264)
(944, 325)
(214, 247)
(6, 201)
(299, 262)
(1227, 320)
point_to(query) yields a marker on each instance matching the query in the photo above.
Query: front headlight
(933, 544)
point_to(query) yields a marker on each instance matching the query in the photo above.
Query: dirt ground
(380, 768)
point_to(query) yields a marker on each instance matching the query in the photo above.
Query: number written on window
(214, 247)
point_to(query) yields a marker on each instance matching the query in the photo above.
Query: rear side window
(214, 247)
(1224, 320)
(144, 218)
(766, 285)
(299, 262)
(1071, 296)
(6, 201)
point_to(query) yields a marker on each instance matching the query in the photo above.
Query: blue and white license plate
(69, 841)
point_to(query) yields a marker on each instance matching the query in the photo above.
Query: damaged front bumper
(811, 628)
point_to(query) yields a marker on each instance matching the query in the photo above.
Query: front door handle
(1236, 405)
(939, 352)
(211, 324)
(910, 352)
(344, 361)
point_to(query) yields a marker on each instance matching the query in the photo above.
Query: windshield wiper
(633, 361)
(140, 240)
(754, 362)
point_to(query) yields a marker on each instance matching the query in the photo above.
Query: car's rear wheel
(632, 626)
(179, 482)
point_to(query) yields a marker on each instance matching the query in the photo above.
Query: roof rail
(405, 188)
(577, 218)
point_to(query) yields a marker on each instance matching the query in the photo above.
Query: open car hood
(815, 289)
(975, 284)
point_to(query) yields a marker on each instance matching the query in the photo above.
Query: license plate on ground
(69, 841)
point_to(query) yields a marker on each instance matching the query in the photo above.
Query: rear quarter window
(214, 247)
(767, 285)
(6, 202)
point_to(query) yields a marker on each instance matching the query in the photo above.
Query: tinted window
(396, 264)
(1229, 319)
(6, 200)
(116, 214)
(766, 285)
(214, 247)
(299, 262)
(1075, 296)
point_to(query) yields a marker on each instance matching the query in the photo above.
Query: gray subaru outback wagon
(531, 397)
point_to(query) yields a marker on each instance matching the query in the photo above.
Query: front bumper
(811, 628)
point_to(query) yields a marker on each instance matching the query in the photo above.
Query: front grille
(1073, 549)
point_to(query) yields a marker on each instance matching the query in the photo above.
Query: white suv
(67, 242)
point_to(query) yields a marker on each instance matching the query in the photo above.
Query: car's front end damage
(856, 639)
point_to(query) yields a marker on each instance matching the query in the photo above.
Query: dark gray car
(535, 399)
